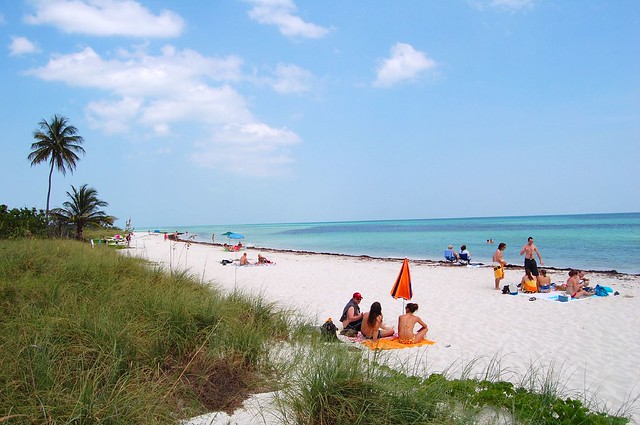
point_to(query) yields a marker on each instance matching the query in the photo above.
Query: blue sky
(259, 111)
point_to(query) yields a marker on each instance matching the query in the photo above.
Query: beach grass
(335, 384)
(87, 335)
(91, 336)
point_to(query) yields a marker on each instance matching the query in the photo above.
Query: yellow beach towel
(393, 344)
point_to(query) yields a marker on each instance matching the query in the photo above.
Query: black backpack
(328, 331)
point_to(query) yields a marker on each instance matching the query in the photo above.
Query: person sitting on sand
(244, 261)
(584, 281)
(372, 326)
(351, 317)
(528, 283)
(571, 278)
(544, 281)
(450, 254)
(406, 323)
(574, 288)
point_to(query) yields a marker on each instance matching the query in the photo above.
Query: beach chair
(465, 259)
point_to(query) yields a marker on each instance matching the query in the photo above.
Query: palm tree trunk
(46, 215)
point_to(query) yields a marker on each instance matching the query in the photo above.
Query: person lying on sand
(406, 323)
(263, 260)
(372, 326)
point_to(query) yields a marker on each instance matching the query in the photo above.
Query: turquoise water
(589, 241)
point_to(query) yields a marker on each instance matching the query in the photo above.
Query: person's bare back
(407, 322)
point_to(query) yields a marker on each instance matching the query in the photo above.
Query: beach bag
(505, 289)
(513, 289)
(600, 291)
(328, 331)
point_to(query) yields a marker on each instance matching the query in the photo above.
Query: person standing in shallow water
(529, 260)
(498, 264)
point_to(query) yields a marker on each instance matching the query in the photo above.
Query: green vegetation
(339, 385)
(22, 223)
(88, 336)
(100, 232)
(58, 143)
(91, 336)
(82, 210)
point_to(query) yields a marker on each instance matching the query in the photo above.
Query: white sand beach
(590, 345)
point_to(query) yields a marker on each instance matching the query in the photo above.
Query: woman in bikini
(407, 322)
(372, 326)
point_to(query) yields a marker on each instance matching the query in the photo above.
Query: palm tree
(83, 209)
(57, 142)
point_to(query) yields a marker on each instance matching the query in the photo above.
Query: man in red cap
(351, 317)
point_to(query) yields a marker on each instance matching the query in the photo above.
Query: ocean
(596, 242)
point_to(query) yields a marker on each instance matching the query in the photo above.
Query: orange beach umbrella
(402, 287)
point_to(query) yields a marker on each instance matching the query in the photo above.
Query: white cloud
(181, 89)
(140, 74)
(105, 18)
(292, 79)
(405, 64)
(113, 117)
(204, 104)
(248, 149)
(21, 46)
(281, 13)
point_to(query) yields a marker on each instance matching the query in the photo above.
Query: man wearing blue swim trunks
(529, 261)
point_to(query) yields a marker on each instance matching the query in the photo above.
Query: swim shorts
(407, 341)
(498, 271)
(531, 265)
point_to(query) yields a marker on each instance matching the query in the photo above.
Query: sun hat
(357, 295)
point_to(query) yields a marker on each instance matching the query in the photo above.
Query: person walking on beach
(407, 322)
(498, 264)
(351, 317)
(529, 261)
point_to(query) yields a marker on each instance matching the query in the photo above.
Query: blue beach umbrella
(232, 235)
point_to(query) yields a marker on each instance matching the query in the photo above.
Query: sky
(278, 111)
